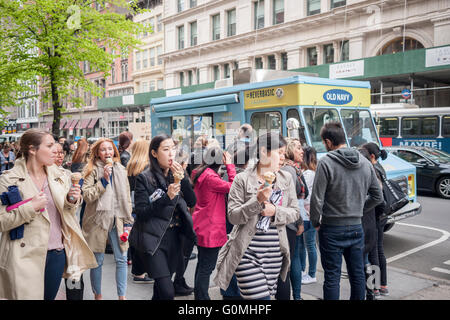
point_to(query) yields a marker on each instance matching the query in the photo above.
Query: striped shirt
(257, 273)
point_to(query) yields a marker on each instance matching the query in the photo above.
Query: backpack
(394, 195)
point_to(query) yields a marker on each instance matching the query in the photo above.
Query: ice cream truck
(273, 105)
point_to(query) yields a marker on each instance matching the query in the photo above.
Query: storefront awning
(73, 124)
(62, 123)
(83, 123)
(48, 125)
(92, 123)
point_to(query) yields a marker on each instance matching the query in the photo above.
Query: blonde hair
(290, 147)
(94, 156)
(213, 143)
(139, 157)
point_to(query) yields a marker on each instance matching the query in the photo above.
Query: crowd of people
(254, 211)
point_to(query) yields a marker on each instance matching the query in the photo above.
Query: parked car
(433, 167)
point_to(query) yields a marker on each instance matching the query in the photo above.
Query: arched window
(396, 45)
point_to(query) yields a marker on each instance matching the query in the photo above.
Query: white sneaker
(303, 274)
(307, 279)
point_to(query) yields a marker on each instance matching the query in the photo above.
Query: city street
(417, 250)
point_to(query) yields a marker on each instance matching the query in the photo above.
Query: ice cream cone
(269, 177)
(75, 177)
(178, 176)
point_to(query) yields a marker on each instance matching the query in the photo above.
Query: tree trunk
(56, 105)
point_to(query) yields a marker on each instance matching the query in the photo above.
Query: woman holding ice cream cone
(162, 196)
(51, 246)
(108, 211)
(257, 250)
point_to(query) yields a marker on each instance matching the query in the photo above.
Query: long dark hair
(270, 141)
(154, 145)
(213, 159)
(373, 148)
(309, 158)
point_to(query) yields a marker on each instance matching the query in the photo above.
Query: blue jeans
(207, 258)
(296, 269)
(54, 269)
(348, 241)
(121, 266)
(309, 244)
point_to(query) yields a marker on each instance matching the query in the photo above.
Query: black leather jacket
(153, 218)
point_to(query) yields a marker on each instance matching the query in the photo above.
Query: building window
(192, 3)
(272, 62)
(259, 14)
(337, 3)
(138, 60)
(226, 70)
(194, 33)
(258, 63)
(158, 23)
(397, 45)
(312, 56)
(216, 27)
(181, 37)
(160, 84)
(113, 73)
(181, 79)
(216, 73)
(198, 76)
(328, 53)
(278, 11)
(159, 53)
(313, 7)
(144, 86)
(86, 67)
(284, 61)
(145, 59)
(152, 57)
(190, 78)
(345, 53)
(231, 23)
(124, 71)
(180, 5)
(152, 85)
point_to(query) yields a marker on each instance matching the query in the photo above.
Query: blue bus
(267, 105)
(413, 126)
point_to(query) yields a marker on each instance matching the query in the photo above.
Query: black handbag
(394, 195)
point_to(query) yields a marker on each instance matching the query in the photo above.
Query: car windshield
(436, 155)
(359, 127)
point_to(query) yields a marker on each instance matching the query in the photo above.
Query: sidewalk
(403, 285)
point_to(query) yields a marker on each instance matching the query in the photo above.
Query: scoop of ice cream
(269, 177)
(109, 161)
(75, 177)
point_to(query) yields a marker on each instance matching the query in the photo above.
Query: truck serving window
(263, 122)
(315, 119)
(359, 127)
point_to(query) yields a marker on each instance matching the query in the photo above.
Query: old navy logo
(337, 96)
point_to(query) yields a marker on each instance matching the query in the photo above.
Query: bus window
(446, 126)
(315, 119)
(263, 122)
(359, 127)
(293, 113)
(185, 133)
(420, 127)
(388, 127)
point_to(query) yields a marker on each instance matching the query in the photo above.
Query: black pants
(54, 269)
(74, 290)
(377, 256)
(207, 258)
(187, 247)
(163, 289)
(284, 287)
(137, 266)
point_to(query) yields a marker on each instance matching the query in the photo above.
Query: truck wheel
(388, 226)
(443, 187)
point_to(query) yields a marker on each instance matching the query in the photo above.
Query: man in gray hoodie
(343, 184)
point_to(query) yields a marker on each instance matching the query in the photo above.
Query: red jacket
(210, 214)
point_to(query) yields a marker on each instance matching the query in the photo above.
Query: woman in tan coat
(257, 250)
(108, 211)
(52, 245)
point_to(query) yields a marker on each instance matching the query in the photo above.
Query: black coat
(153, 218)
(124, 158)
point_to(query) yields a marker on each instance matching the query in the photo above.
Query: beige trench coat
(22, 261)
(95, 236)
(244, 212)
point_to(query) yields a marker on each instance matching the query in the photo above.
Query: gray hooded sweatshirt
(344, 182)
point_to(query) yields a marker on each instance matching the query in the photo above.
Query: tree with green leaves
(50, 40)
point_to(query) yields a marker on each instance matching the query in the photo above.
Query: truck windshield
(315, 119)
(359, 127)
